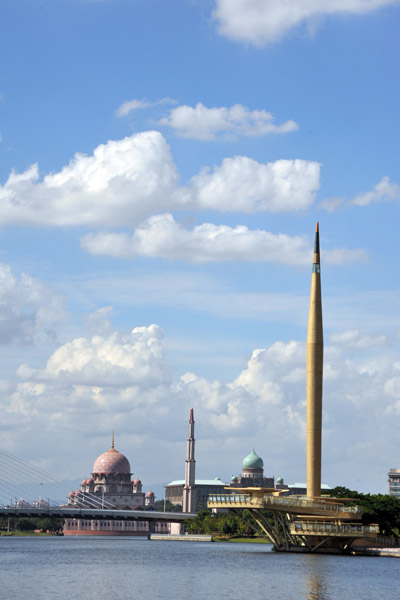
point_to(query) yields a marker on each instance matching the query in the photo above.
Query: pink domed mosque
(110, 485)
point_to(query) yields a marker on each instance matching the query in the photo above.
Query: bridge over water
(97, 514)
(27, 491)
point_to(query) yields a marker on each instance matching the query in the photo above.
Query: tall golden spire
(112, 441)
(314, 360)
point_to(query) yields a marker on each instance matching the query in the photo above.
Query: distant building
(300, 489)
(21, 504)
(111, 484)
(202, 487)
(394, 482)
(252, 474)
(40, 504)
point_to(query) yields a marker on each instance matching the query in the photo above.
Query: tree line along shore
(378, 508)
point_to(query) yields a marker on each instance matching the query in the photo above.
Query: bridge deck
(334, 529)
(96, 513)
(351, 531)
(287, 504)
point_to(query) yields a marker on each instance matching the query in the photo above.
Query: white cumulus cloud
(126, 181)
(245, 185)
(204, 123)
(162, 236)
(382, 191)
(116, 359)
(266, 21)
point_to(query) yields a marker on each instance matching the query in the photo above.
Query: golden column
(315, 358)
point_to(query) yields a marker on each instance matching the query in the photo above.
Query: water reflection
(316, 588)
(316, 584)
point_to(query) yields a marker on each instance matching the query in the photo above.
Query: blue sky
(162, 167)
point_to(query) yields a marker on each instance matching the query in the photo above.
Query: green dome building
(252, 473)
(253, 462)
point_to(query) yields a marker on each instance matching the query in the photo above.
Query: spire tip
(316, 264)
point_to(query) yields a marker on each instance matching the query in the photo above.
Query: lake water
(62, 568)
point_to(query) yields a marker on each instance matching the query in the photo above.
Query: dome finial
(112, 440)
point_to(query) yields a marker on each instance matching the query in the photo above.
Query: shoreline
(29, 534)
(241, 540)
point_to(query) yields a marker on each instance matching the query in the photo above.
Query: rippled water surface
(129, 568)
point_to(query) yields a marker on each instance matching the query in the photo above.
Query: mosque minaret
(189, 490)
